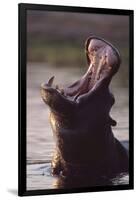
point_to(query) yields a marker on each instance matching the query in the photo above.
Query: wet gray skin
(79, 117)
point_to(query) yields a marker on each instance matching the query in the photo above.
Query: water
(40, 142)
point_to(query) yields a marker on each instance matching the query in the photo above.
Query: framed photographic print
(75, 99)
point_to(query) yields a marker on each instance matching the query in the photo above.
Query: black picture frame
(22, 59)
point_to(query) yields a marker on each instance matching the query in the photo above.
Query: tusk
(50, 82)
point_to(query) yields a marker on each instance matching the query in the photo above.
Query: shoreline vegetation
(64, 55)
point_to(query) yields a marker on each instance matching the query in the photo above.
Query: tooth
(50, 82)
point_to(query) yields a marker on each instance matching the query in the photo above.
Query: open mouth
(103, 60)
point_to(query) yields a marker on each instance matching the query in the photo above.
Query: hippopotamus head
(103, 62)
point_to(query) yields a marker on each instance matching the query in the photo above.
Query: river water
(40, 142)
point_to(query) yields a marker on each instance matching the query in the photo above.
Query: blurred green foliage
(57, 54)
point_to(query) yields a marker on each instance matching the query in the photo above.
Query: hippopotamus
(80, 117)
